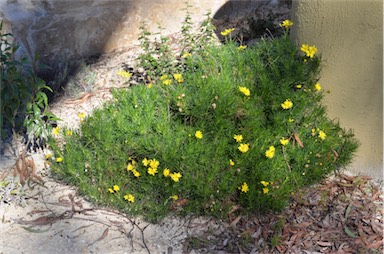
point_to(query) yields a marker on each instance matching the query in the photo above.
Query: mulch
(343, 214)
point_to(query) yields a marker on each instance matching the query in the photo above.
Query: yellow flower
(290, 120)
(69, 133)
(60, 159)
(284, 141)
(111, 190)
(238, 138)
(145, 162)
(231, 162)
(299, 86)
(270, 152)
(167, 82)
(287, 104)
(81, 115)
(129, 198)
(317, 87)
(175, 176)
(264, 183)
(227, 31)
(187, 54)
(116, 188)
(124, 74)
(244, 90)
(243, 148)
(244, 187)
(265, 190)
(56, 130)
(152, 171)
(136, 173)
(130, 167)
(199, 134)
(322, 135)
(164, 77)
(178, 77)
(309, 51)
(242, 47)
(175, 197)
(48, 156)
(286, 23)
(154, 163)
(166, 172)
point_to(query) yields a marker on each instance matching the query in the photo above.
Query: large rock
(70, 29)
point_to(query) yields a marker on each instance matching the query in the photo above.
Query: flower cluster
(131, 167)
(309, 51)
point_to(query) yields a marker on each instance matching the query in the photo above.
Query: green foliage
(191, 122)
(23, 98)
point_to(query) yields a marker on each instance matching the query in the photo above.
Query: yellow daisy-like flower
(287, 104)
(129, 198)
(124, 74)
(322, 135)
(130, 167)
(136, 173)
(175, 176)
(48, 156)
(231, 162)
(244, 187)
(178, 77)
(60, 159)
(238, 138)
(56, 130)
(154, 163)
(270, 152)
(244, 90)
(199, 134)
(167, 82)
(166, 172)
(227, 31)
(286, 24)
(265, 190)
(175, 197)
(242, 47)
(243, 148)
(145, 162)
(187, 54)
(299, 86)
(290, 120)
(111, 190)
(317, 87)
(116, 188)
(81, 115)
(264, 183)
(69, 133)
(152, 171)
(284, 141)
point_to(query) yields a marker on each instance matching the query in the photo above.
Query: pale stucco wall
(349, 36)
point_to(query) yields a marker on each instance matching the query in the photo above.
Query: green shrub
(235, 127)
(24, 102)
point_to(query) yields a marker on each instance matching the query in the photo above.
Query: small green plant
(24, 102)
(235, 126)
